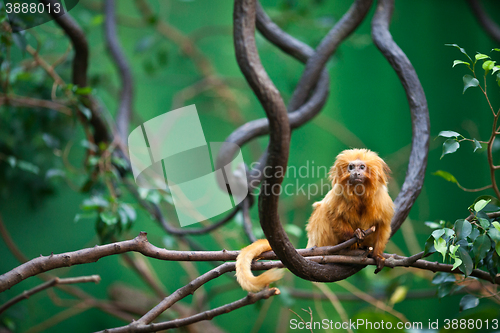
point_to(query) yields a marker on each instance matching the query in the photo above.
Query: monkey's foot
(380, 263)
(359, 234)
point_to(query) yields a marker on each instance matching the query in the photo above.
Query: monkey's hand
(359, 234)
(380, 263)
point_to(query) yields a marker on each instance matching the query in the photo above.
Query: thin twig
(373, 301)
(29, 102)
(51, 283)
(126, 95)
(207, 315)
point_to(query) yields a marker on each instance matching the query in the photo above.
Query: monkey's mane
(377, 170)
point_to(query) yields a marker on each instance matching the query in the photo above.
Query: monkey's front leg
(359, 234)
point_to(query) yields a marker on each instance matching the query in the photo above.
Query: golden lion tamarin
(358, 200)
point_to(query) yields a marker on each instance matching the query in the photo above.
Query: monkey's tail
(244, 275)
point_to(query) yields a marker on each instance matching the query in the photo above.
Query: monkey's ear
(384, 172)
(333, 174)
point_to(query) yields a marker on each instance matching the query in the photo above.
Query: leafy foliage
(471, 243)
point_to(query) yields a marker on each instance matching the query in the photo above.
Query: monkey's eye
(362, 166)
(350, 167)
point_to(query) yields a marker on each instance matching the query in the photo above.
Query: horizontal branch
(138, 244)
(51, 283)
(207, 315)
(29, 102)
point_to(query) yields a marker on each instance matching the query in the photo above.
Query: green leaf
(481, 246)
(496, 49)
(27, 166)
(432, 225)
(478, 206)
(51, 173)
(493, 233)
(481, 56)
(467, 264)
(79, 217)
(83, 90)
(449, 134)
(86, 112)
(462, 229)
(109, 218)
(495, 69)
(97, 20)
(446, 176)
(438, 233)
(12, 161)
(477, 145)
(458, 62)
(398, 295)
(457, 263)
(445, 289)
(94, 203)
(484, 223)
(460, 48)
(442, 277)
(441, 247)
(129, 210)
(473, 235)
(468, 302)
(88, 145)
(453, 250)
(448, 233)
(429, 246)
(450, 146)
(154, 197)
(469, 81)
(493, 204)
(496, 225)
(488, 65)
(497, 248)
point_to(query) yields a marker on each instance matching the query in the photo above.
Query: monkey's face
(357, 171)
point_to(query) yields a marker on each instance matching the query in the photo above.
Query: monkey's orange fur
(353, 202)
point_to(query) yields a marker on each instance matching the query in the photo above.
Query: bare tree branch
(80, 64)
(138, 244)
(125, 105)
(418, 107)
(51, 283)
(207, 315)
(23, 101)
(319, 256)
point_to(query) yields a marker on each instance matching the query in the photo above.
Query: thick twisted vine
(250, 65)
(490, 26)
(418, 108)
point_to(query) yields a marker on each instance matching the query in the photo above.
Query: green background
(366, 97)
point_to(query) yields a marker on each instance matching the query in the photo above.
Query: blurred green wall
(365, 96)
